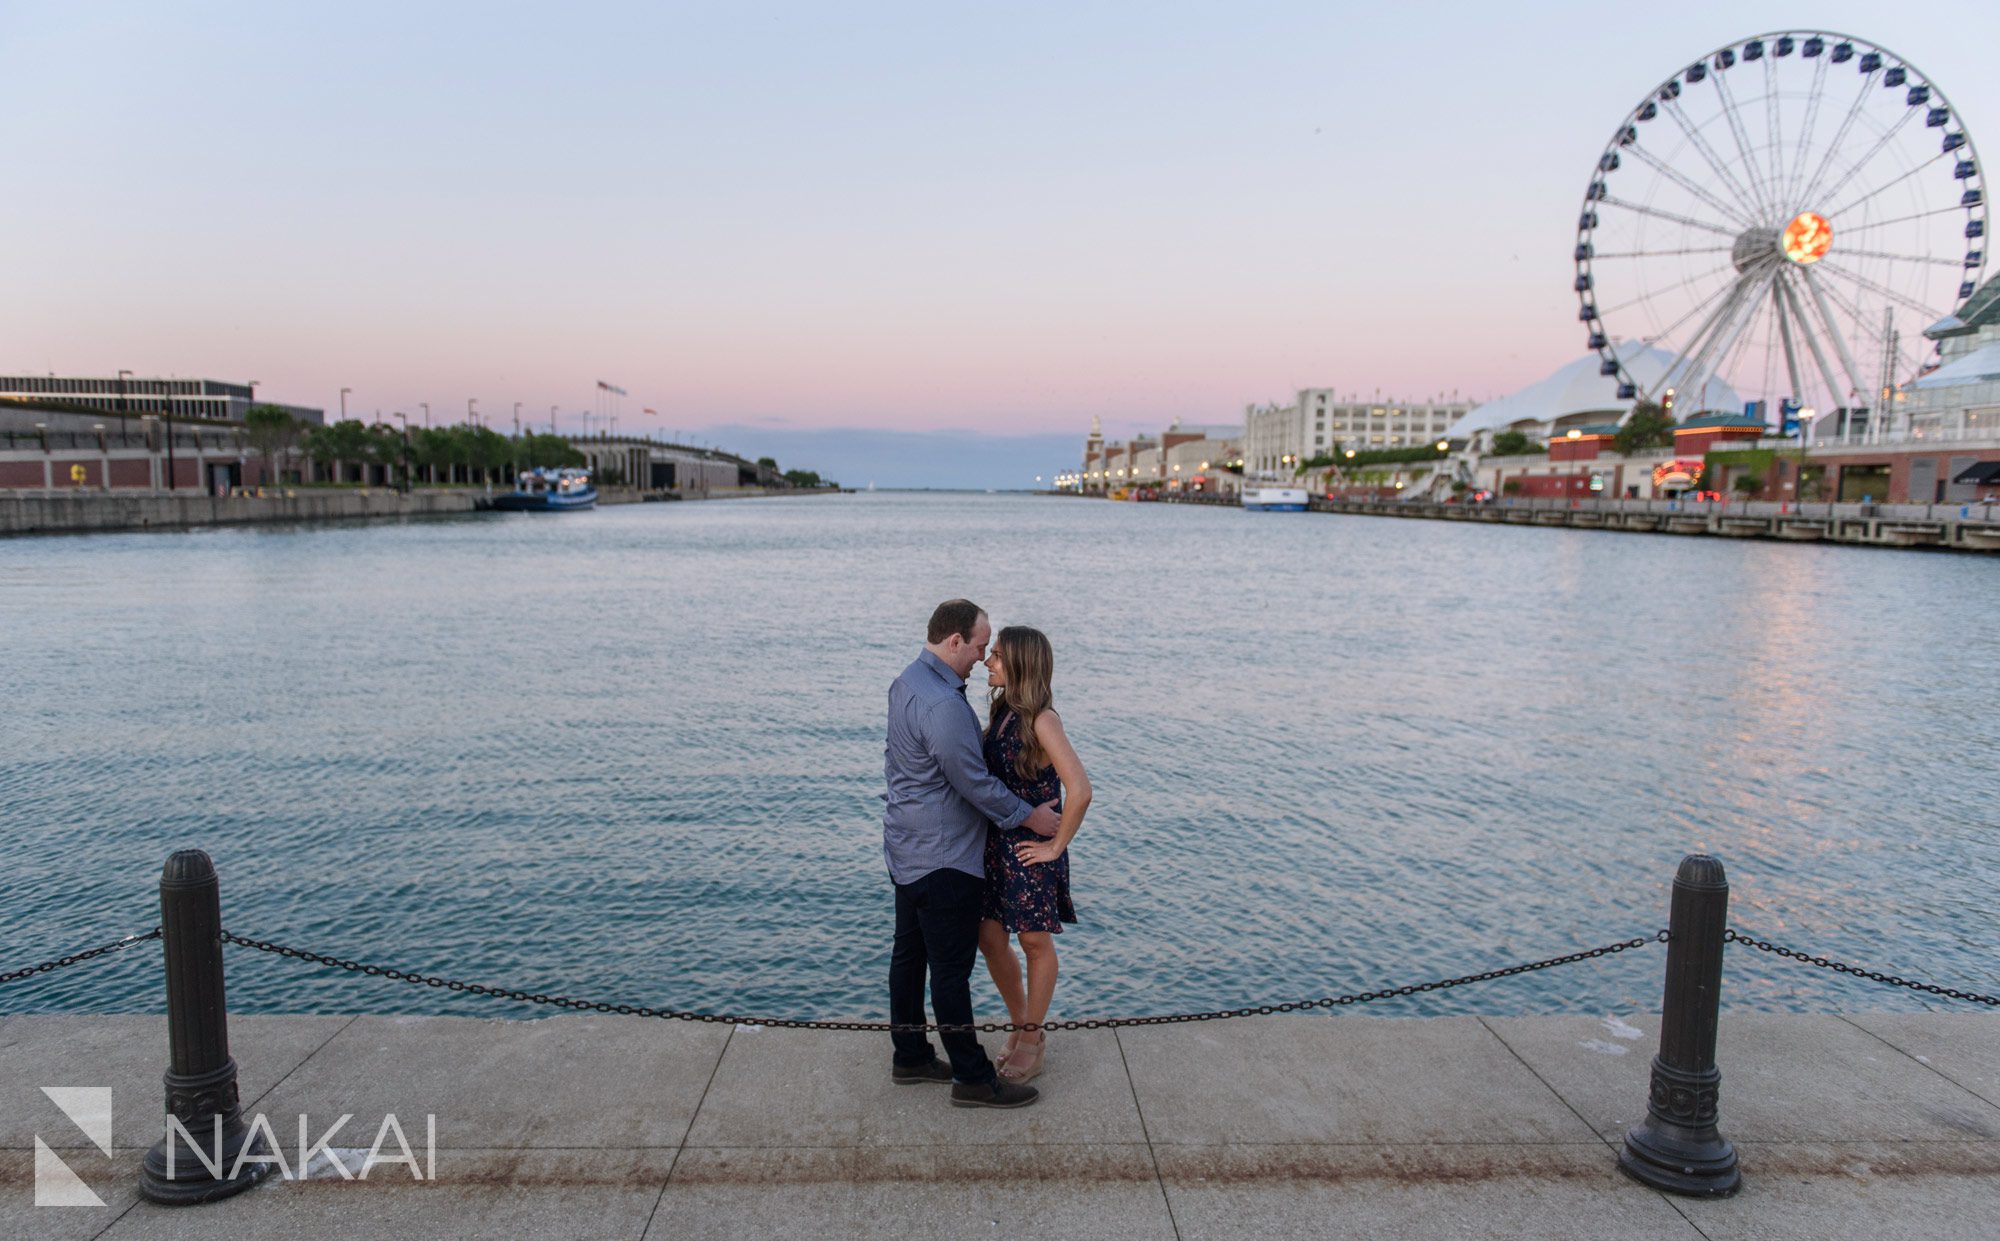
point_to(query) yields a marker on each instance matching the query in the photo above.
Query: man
(934, 838)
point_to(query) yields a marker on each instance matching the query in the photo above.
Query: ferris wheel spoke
(1658, 254)
(1880, 189)
(1687, 183)
(1690, 221)
(1852, 229)
(1774, 129)
(1719, 309)
(1803, 323)
(1745, 333)
(1880, 143)
(1819, 299)
(1794, 180)
(1839, 137)
(1901, 258)
(1728, 329)
(1877, 341)
(1880, 290)
(1715, 162)
(1681, 287)
(1784, 326)
(1750, 174)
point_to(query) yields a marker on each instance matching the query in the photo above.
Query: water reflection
(635, 754)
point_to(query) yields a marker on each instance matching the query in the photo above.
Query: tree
(1747, 486)
(1515, 444)
(803, 478)
(1650, 426)
(769, 463)
(550, 451)
(385, 448)
(273, 434)
(346, 440)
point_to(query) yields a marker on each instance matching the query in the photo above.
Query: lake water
(636, 754)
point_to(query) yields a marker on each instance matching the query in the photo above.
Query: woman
(1027, 876)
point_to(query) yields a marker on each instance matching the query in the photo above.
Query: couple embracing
(976, 834)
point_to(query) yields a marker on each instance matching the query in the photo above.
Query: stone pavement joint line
(615, 1127)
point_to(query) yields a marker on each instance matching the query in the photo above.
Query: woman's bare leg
(1006, 970)
(1040, 949)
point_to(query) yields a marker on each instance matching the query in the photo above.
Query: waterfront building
(1320, 422)
(1960, 399)
(650, 465)
(1327, 422)
(1273, 440)
(1171, 461)
(209, 400)
(1200, 459)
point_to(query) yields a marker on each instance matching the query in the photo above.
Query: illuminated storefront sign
(1676, 475)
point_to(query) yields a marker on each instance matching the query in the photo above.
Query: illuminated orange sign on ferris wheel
(1806, 238)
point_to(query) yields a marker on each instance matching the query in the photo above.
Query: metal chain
(77, 958)
(1733, 936)
(989, 1027)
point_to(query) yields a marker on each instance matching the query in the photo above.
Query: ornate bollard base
(181, 1172)
(1677, 1148)
(190, 1181)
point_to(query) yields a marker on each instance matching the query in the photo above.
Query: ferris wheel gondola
(1783, 218)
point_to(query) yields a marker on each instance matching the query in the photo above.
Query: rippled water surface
(636, 754)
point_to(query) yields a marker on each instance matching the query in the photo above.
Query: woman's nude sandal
(1026, 1062)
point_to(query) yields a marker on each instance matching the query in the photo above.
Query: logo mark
(89, 1109)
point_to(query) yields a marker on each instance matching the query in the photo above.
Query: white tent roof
(1982, 365)
(1578, 389)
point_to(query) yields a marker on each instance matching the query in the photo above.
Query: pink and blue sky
(915, 217)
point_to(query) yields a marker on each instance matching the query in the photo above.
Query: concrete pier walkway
(1881, 1126)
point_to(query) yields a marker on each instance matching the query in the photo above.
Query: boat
(549, 491)
(1272, 499)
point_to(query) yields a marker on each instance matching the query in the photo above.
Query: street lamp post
(404, 419)
(426, 407)
(123, 375)
(517, 420)
(472, 410)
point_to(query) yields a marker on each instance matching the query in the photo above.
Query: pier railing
(1677, 1147)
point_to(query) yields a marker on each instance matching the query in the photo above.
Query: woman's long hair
(1030, 663)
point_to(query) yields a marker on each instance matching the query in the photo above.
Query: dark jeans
(937, 927)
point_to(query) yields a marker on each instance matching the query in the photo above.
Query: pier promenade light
(1350, 454)
(1444, 445)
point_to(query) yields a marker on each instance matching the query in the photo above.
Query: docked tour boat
(549, 491)
(1272, 499)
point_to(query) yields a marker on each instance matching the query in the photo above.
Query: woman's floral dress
(1020, 896)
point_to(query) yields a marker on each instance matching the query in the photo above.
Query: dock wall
(70, 512)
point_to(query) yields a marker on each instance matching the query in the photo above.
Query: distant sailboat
(871, 484)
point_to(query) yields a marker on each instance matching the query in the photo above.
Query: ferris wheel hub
(1807, 238)
(1755, 247)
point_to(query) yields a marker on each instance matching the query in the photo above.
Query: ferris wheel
(1781, 220)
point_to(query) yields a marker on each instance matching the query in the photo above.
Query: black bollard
(197, 1161)
(1677, 1147)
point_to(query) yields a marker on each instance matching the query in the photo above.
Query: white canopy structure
(1579, 394)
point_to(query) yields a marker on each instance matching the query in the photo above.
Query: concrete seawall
(81, 511)
(1882, 1125)
(1943, 527)
(65, 512)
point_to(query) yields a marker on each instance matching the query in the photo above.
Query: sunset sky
(912, 217)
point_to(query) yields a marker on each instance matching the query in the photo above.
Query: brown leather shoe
(917, 1074)
(999, 1094)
